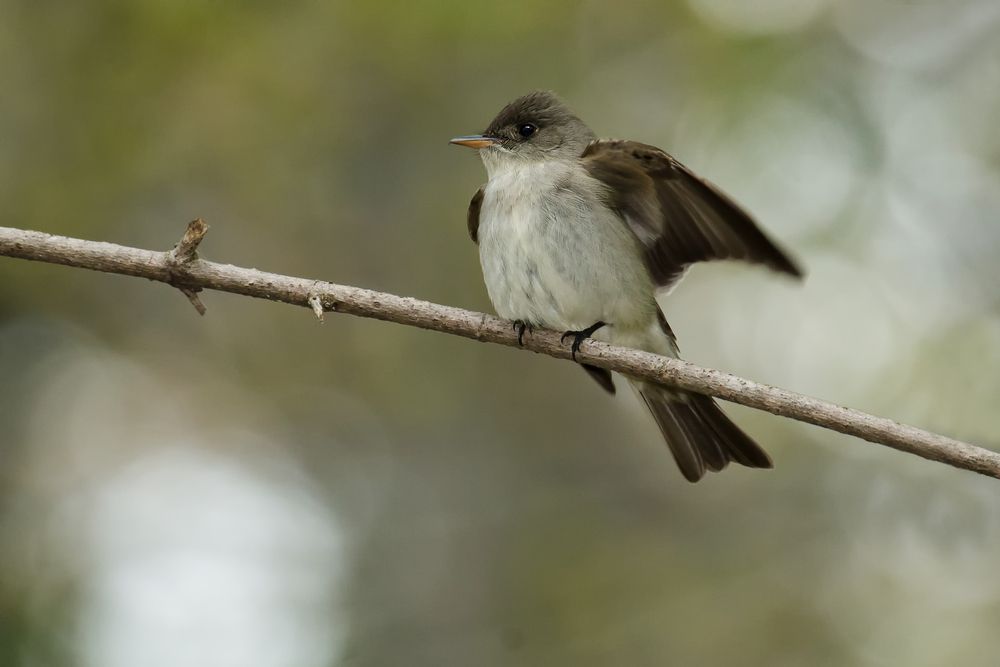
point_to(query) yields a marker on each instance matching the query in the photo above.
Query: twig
(185, 251)
(195, 300)
(316, 304)
(196, 274)
(187, 248)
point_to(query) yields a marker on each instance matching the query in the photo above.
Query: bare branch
(196, 274)
(195, 300)
(316, 304)
(187, 248)
(185, 251)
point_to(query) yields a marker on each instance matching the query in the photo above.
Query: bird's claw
(520, 326)
(580, 336)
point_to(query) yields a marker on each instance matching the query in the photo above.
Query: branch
(182, 269)
(185, 252)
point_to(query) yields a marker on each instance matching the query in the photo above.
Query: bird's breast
(552, 253)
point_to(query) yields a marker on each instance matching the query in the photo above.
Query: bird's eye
(527, 130)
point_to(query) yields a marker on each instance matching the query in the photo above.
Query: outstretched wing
(679, 218)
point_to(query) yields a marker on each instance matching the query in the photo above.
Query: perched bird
(577, 233)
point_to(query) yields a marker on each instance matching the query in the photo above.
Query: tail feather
(700, 435)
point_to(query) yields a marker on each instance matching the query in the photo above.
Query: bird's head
(534, 128)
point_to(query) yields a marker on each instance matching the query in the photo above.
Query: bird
(578, 234)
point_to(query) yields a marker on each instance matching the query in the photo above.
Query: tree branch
(182, 269)
(183, 253)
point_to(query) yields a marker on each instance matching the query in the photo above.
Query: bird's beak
(474, 141)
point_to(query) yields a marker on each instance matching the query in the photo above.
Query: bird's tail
(700, 435)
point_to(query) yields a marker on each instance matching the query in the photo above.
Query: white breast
(554, 255)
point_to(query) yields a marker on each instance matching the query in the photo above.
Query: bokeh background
(253, 489)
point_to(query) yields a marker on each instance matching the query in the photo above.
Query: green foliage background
(250, 488)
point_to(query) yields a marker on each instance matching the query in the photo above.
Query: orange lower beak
(473, 141)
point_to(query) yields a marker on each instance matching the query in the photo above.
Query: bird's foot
(520, 326)
(580, 336)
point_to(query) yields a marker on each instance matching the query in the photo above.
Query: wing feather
(678, 217)
(473, 216)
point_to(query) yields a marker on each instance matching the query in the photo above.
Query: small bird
(577, 233)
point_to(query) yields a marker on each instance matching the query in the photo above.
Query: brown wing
(473, 219)
(679, 218)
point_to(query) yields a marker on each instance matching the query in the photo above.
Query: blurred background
(253, 489)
